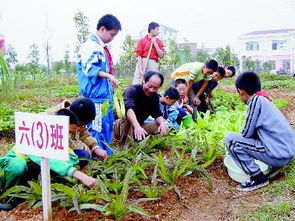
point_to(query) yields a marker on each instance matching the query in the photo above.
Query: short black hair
(221, 71)
(212, 64)
(84, 108)
(179, 81)
(73, 117)
(152, 25)
(109, 22)
(249, 82)
(232, 69)
(149, 74)
(172, 93)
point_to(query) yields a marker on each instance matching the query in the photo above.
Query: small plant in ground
(117, 204)
(6, 121)
(153, 191)
(281, 103)
(76, 197)
(32, 194)
(171, 168)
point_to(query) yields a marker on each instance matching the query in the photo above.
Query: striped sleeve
(253, 113)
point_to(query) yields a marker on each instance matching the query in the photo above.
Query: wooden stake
(147, 60)
(46, 191)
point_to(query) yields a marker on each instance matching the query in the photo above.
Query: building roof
(168, 28)
(265, 32)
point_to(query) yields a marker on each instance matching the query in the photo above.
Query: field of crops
(158, 178)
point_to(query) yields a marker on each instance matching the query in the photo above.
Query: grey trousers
(245, 150)
(152, 65)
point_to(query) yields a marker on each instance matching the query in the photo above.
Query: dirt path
(224, 202)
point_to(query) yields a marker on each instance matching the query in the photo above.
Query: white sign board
(42, 135)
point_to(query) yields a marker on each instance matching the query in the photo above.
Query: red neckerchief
(110, 60)
(263, 94)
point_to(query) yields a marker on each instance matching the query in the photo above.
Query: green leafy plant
(76, 197)
(32, 194)
(117, 203)
(153, 191)
(281, 103)
(119, 103)
(105, 108)
(171, 168)
(6, 80)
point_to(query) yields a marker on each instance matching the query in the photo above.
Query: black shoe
(274, 171)
(255, 183)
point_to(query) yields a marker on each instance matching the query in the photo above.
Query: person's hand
(139, 133)
(102, 154)
(189, 108)
(197, 101)
(162, 129)
(185, 100)
(113, 80)
(154, 40)
(87, 180)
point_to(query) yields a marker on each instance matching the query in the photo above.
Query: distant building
(274, 46)
(192, 47)
(165, 33)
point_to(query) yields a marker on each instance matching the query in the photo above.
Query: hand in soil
(87, 180)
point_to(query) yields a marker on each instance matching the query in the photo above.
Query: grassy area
(269, 81)
(279, 200)
(274, 212)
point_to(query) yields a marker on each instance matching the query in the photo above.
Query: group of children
(193, 84)
(267, 135)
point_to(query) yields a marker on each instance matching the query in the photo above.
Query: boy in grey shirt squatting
(267, 135)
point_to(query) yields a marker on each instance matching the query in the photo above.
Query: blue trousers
(104, 131)
(84, 154)
(245, 150)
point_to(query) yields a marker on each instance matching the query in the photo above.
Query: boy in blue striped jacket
(267, 135)
(96, 77)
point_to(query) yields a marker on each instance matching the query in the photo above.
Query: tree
(127, 61)
(82, 25)
(33, 65)
(47, 48)
(11, 56)
(225, 57)
(58, 67)
(67, 61)
(171, 58)
(267, 66)
(34, 55)
(250, 65)
(185, 56)
(202, 55)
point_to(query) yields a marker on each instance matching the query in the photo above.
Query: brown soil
(197, 201)
(4, 142)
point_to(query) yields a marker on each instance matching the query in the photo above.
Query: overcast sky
(212, 22)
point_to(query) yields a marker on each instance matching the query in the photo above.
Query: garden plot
(179, 177)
